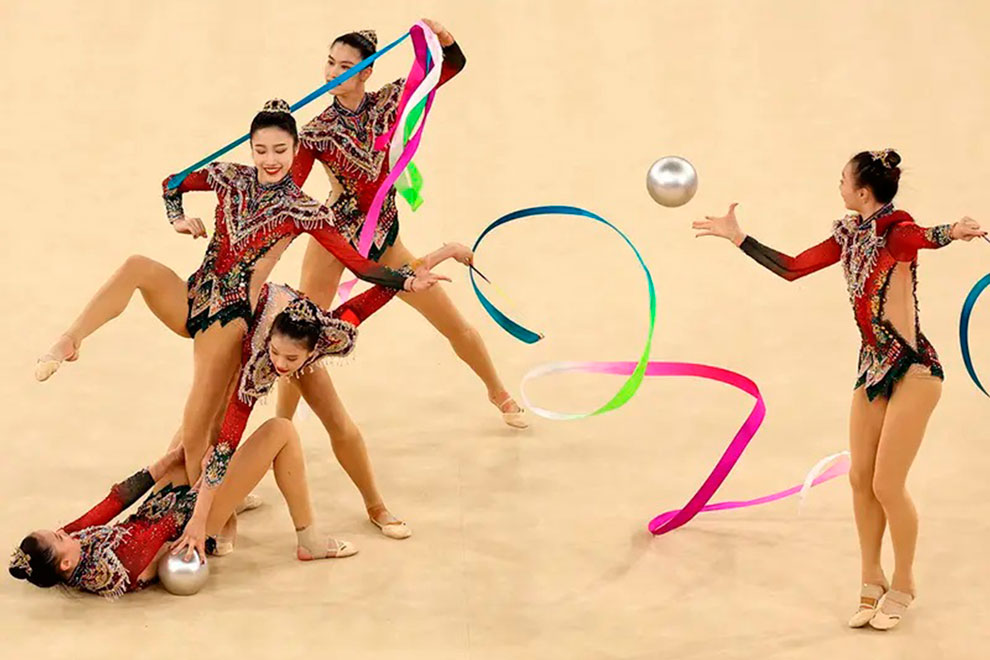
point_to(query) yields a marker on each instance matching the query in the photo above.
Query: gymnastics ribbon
(418, 93)
(967, 312)
(177, 179)
(636, 371)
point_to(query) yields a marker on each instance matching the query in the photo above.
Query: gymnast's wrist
(173, 207)
(738, 239)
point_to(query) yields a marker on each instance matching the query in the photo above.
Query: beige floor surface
(526, 545)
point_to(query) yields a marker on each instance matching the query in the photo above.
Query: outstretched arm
(359, 308)
(905, 238)
(811, 260)
(790, 268)
(368, 270)
(460, 253)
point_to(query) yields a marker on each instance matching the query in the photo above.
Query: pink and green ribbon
(414, 107)
(827, 469)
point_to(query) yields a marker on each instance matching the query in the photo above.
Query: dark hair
(357, 42)
(878, 171)
(44, 571)
(305, 332)
(269, 119)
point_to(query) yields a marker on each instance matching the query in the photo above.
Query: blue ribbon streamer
(516, 330)
(177, 179)
(967, 311)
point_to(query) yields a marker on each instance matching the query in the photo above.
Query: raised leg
(163, 291)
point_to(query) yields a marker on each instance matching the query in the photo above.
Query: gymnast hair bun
(276, 105)
(370, 36)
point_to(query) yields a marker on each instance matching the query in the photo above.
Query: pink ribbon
(417, 75)
(699, 502)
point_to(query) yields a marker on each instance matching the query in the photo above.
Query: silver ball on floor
(181, 577)
(672, 181)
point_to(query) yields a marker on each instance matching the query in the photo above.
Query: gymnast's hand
(443, 36)
(193, 538)
(966, 230)
(725, 227)
(424, 280)
(193, 226)
(460, 253)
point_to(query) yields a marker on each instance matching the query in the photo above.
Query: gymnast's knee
(861, 481)
(137, 264)
(889, 491)
(280, 426)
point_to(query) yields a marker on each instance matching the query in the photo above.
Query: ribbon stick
(635, 372)
(964, 317)
(177, 179)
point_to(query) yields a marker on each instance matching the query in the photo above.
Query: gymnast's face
(342, 57)
(273, 151)
(287, 354)
(66, 549)
(854, 196)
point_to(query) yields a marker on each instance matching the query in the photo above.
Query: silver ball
(672, 181)
(181, 577)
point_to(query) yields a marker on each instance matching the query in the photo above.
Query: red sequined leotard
(344, 141)
(877, 254)
(253, 221)
(114, 556)
(258, 375)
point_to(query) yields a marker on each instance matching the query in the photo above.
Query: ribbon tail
(964, 318)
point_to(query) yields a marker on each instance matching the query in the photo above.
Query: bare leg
(163, 291)
(320, 278)
(865, 424)
(250, 502)
(217, 419)
(275, 441)
(349, 448)
(910, 407)
(439, 310)
(345, 437)
(216, 360)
